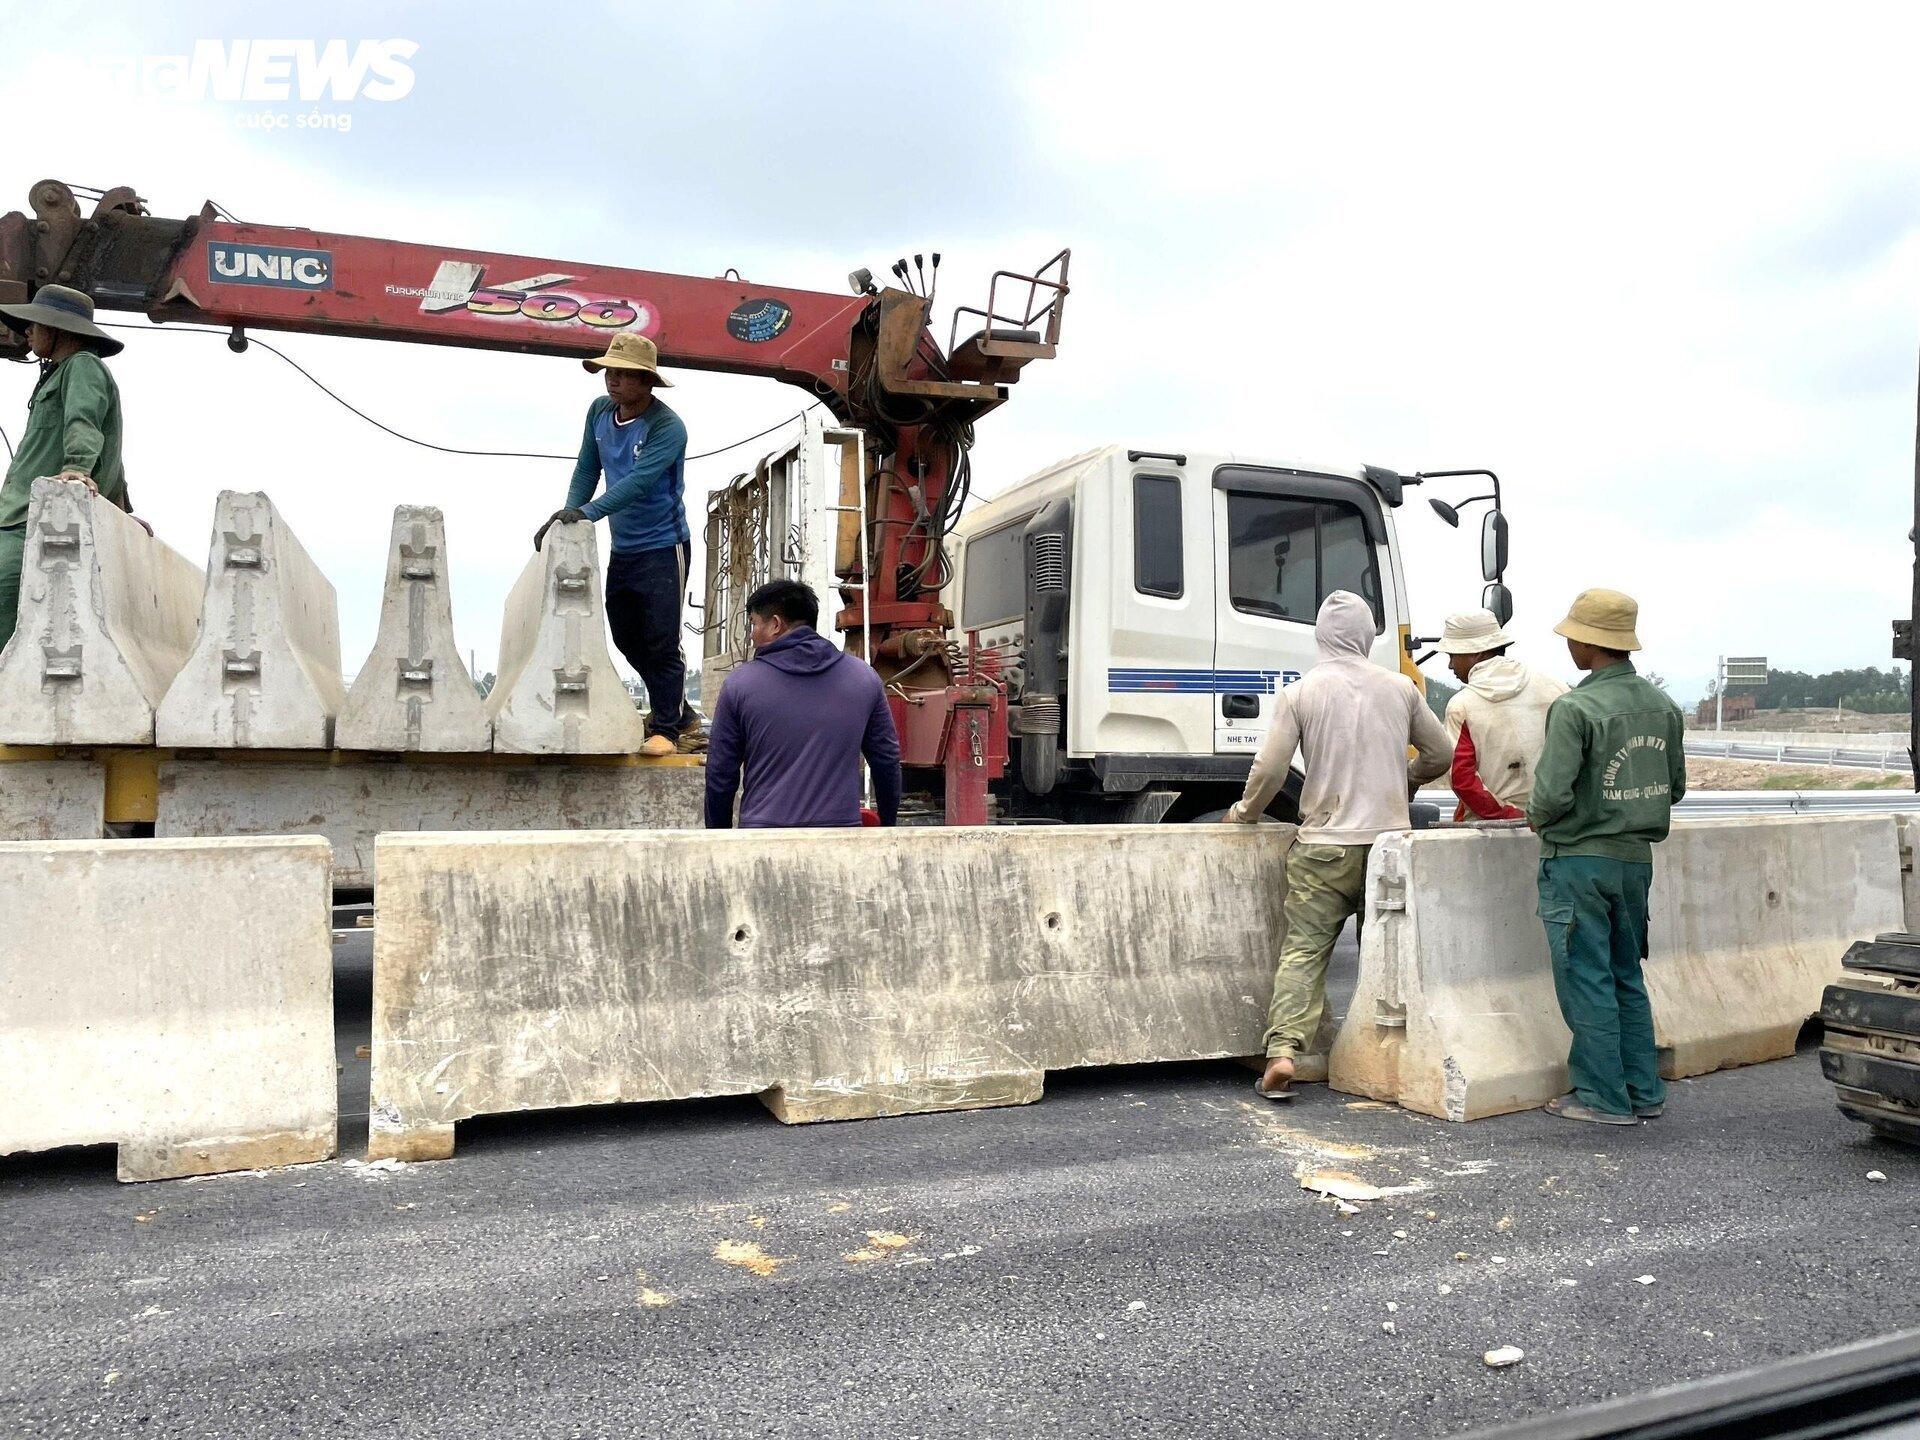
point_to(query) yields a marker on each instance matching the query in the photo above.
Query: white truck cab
(1150, 605)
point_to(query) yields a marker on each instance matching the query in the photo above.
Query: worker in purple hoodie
(798, 717)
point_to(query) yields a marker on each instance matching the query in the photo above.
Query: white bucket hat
(1471, 632)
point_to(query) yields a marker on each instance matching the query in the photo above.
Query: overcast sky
(1656, 265)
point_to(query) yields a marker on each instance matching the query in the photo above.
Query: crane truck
(1119, 622)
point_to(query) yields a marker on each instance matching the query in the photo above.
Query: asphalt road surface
(1134, 1252)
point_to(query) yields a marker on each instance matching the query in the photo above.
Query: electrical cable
(9, 439)
(349, 406)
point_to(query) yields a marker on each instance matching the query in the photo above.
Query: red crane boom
(868, 356)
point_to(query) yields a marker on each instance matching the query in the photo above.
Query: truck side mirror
(1493, 548)
(1497, 598)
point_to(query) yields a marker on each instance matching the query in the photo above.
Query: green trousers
(13, 550)
(1595, 913)
(1325, 885)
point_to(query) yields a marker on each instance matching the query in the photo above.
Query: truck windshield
(1286, 554)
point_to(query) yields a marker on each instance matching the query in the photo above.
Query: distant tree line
(1869, 691)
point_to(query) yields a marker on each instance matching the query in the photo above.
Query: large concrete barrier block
(52, 799)
(414, 692)
(174, 998)
(837, 973)
(265, 669)
(107, 616)
(1455, 1013)
(1909, 882)
(352, 803)
(557, 692)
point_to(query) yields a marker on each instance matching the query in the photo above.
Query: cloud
(1655, 266)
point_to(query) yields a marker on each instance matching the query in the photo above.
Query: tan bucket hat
(631, 352)
(60, 307)
(1602, 617)
(1472, 632)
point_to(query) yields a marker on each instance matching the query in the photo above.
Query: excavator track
(1871, 1051)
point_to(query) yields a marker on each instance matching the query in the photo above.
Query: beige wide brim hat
(1472, 632)
(1602, 617)
(630, 352)
(60, 307)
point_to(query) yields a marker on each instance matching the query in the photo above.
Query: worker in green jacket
(73, 422)
(1612, 767)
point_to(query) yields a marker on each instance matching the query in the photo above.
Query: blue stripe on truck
(1140, 681)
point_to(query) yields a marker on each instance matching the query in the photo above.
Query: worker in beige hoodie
(1498, 723)
(1352, 721)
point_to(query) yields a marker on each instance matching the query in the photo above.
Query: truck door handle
(1240, 707)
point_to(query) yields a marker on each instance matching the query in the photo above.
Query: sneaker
(1568, 1108)
(1650, 1112)
(658, 747)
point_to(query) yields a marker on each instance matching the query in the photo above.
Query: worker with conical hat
(1498, 721)
(1613, 765)
(73, 422)
(639, 447)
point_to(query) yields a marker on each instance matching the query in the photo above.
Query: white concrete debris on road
(1877, 1176)
(1643, 1280)
(1503, 1356)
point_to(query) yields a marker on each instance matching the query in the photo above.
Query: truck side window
(1286, 554)
(1157, 541)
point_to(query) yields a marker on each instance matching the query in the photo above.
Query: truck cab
(1149, 606)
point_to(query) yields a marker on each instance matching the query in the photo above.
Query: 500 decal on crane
(457, 288)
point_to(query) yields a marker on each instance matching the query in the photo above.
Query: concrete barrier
(265, 669)
(557, 693)
(352, 802)
(1909, 883)
(185, 1011)
(414, 692)
(839, 974)
(1455, 1013)
(52, 799)
(107, 616)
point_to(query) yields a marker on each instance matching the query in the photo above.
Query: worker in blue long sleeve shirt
(640, 447)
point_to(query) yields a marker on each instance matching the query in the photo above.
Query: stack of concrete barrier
(557, 693)
(185, 1010)
(265, 670)
(1455, 1013)
(414, 693)
(351, 802)
(107, 616)
(839, 974)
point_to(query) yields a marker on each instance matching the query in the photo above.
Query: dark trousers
(1595, 912)
(644, 590)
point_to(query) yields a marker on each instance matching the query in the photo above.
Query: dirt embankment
(1704, 773)
(1824, 722)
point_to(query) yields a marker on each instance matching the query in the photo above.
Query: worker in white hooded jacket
(1351, 721)
(1498, 723)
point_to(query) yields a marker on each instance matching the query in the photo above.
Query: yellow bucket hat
(1602, 617)
(631, 352)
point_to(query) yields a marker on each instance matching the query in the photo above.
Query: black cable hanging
(349, 406)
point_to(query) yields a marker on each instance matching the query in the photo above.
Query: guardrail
(1706, 804)
(1852, 757)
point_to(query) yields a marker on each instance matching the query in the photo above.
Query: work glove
(559, 517)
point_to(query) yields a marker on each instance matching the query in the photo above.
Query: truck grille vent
(1049, 563)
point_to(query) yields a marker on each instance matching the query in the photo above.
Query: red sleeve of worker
(1471, 789)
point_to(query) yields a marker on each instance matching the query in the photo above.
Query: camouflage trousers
(1325, 886)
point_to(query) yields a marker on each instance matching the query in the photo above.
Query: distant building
(1737, 707)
